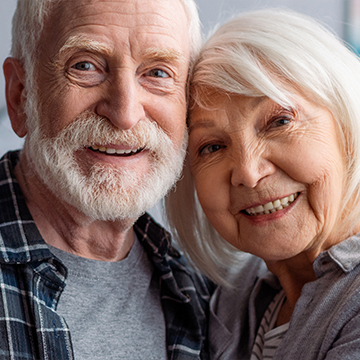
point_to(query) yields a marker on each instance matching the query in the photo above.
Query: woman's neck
(293, 274)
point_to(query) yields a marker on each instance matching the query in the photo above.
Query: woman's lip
(268, 207)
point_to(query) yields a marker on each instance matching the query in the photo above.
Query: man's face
(110, 102)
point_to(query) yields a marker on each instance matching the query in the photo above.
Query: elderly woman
(274, 155)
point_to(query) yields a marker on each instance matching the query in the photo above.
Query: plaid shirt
(32, 279)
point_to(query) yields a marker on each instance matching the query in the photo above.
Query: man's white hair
(271, 53)
(30, 17)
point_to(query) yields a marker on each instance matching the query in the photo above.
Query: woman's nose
(250, 167)
(123, 103)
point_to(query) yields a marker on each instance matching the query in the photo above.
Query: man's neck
(64, 227)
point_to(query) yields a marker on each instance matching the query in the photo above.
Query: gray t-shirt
(113, 309)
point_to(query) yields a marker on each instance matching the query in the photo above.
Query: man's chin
(115, 207)
(110, 195)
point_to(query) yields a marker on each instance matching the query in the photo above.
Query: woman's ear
(15, 94)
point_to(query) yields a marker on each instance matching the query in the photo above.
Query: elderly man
(99, 89)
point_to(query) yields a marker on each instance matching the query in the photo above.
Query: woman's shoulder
(245, 271)
(242, 279)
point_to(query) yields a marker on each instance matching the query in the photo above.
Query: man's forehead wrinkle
(135, 9)
(152, 28)
(79, 10)
(134, 14)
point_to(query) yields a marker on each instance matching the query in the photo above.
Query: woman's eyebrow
(203, 123)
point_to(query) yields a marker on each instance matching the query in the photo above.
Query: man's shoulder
(169, 261)
(21, 239)
(185, 293)
(185, 273)
(7, 164)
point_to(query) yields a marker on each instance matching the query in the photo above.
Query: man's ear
(15, 94)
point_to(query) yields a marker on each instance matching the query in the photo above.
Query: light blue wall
(330, 12)
(8, 140)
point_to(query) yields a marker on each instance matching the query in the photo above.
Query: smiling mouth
(272, 206)
(115, 152)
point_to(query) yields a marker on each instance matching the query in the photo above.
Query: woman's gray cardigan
(326, 320)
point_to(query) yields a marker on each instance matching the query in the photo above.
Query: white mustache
(90, 129)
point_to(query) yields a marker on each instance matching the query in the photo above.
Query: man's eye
(210, 149)
(84, 66)
(158, 73)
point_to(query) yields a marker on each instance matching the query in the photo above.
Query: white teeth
(268, 206)
(272, 206)
(276, 203)
(113, 151)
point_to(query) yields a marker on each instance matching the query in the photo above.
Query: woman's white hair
(30, 17)
(271, 53)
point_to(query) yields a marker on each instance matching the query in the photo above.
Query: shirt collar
(345, 255)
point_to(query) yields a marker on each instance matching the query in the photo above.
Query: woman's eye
(84, 66)
(280, 122)
(158, 73)
(210, 149)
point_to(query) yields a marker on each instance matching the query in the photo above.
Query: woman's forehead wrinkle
(203, 123)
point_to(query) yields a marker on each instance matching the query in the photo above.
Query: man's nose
(122, 103)
(249, 167)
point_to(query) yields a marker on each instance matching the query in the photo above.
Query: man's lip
(92, 157)
(116, 149)
(117, 146)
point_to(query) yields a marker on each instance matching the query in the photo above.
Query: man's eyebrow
(84, 43)
(160, 54)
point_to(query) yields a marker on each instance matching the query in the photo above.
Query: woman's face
(269, 179)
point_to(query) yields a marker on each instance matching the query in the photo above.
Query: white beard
(104, 192)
